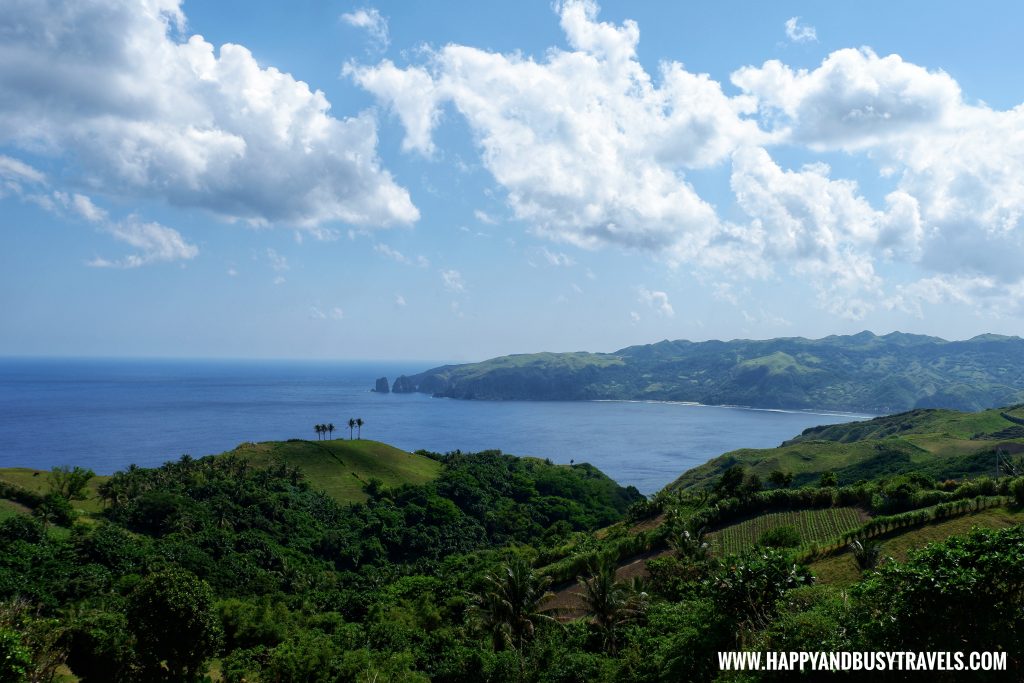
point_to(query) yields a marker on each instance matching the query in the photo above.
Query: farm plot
(812, 525)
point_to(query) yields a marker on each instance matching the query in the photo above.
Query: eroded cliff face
(381, 386)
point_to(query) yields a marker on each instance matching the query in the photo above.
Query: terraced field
(813, 525)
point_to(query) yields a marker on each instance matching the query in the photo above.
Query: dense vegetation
(864, 372)
(495, 568)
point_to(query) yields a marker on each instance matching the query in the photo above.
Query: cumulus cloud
(373, 22)
(588, 146)
(958, 168)
(591, 149)
(658, 301)
(854, 100)
(800, 33)
(453, 281)
(132, 105)
(400, 301)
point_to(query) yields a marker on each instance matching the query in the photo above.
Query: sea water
(107, 414)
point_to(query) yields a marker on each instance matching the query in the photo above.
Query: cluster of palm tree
(516, 600)
(323, 429)
(328, 429)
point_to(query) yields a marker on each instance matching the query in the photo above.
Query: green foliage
(1017, 490)
(70, 483)
(171, 615)
(867, 554)
(15, 658)
(964, 594)
(508, 609)
(747, 587)
(828, 479)
(785, 536)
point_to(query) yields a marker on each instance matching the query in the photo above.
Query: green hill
(340, 468)
(861, 372)
(944, 444)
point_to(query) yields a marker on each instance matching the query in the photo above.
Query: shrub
(780, 537)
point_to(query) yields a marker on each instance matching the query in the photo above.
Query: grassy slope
(39, 482)
(340, 467)
(841, 569)
(942, 443)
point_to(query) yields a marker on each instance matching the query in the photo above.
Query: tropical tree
(866, 554)
(330, 429)
(609, 602)
(351, 426)
(359, 424)
(509, 608)
(319, 430)
(176, 628)
(70, 483)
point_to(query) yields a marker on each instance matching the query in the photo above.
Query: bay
(106, 414)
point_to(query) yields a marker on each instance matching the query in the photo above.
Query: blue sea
(107, 414)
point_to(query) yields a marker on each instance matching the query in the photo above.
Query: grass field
(813, 525)
(39, 482)
(8, 508)
(341, 467)
(840, 568)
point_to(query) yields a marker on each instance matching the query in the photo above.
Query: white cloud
(588, 148)
(557, 258)
(153, 242)
(576, 288)
(400, 301)
(958, 168)
(393, 254)
(277, 261)
(855, 99)
(316, 314)
(337, 313)
(800, 33)
(279, 280)
(232, 272)
(371, 20)
(453, 281)
(656, 300)
(117, 93)
(14, 174)
(634, 317)
(484, 217)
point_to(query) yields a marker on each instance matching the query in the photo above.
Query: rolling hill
(940, 443)
(861, 372)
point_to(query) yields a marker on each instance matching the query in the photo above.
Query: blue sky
(456, 180)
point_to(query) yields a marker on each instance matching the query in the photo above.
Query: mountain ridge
(861, 372)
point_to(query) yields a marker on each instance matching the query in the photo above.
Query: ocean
(107, 414)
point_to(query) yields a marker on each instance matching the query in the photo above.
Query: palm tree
(319, 430)
(509, 608)
(330, 428)
(607, 601)
(359, 424)
(867, 554)
(351, 426)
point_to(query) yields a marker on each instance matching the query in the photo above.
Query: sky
(459, 180)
